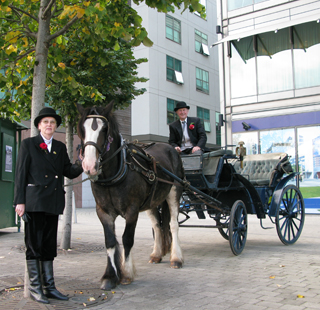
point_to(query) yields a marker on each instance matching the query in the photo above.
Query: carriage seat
(207, 162)
(263, 169)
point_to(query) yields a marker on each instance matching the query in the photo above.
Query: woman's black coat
(39, 176)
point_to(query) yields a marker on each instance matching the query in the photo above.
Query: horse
(127, 179)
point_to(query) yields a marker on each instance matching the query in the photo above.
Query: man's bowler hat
(47, 112)
(181, 105)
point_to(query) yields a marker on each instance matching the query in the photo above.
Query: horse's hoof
(126, 281)
(155, 260)
(107, 285)
(176, 265)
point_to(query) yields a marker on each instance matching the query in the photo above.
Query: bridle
(103, 151)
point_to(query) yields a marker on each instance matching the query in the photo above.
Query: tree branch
(13, 8)
(48, 8)
(26, 53)
(63, 30)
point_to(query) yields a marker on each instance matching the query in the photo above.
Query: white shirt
(47, 142)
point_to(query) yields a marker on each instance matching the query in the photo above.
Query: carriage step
(200, 213)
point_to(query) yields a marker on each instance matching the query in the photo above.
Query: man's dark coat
(39, 176)
(197, 135)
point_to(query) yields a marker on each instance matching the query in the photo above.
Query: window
(204, 3)
(174, 70)
(306, 49)
(171, 115)
(218, 130)
(236, 4)
(276, 61)
(204, 115)
(173, 29)
(201, 41)
(202, 80)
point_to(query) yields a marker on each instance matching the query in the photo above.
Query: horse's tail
(165, 225)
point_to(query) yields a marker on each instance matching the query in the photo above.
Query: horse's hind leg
(176, 258)
(156, 255)
(112, 275)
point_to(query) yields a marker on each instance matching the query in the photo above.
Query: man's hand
(178, 149)
(196, 148)
(20, 208)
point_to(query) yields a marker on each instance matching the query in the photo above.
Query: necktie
(184, 125)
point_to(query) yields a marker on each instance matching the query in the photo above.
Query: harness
(150, 173)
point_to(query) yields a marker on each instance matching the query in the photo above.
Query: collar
(45, 140)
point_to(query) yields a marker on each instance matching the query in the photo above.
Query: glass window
(173, 29)
(204, 115)
(250, 140)
(236, 4)
(201, 42)
(204, 3)
(171, 115)
(282, 140)
(243, 72)
(218, 130)
(274, 62)
(306, 51)
(202, 80)
(174, 70)
(309, 154)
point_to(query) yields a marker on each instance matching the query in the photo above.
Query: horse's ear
(80, 108)
(108, 108)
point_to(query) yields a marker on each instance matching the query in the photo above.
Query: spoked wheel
(224, 232)
(290, 215)
(238, 227)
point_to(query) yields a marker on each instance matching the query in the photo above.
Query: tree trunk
(40, 65)
(67, 214)
(39, 86)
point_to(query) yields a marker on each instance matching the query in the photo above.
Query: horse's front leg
(112, 275)
(128, 269)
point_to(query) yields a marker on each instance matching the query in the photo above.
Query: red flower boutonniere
(44, 147)
(191, 126)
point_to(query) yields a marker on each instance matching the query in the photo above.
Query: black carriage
(220, 186)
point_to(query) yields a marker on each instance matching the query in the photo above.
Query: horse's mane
(104, 111)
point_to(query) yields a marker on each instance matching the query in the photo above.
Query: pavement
(267, 275)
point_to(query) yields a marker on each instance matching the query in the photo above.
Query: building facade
(180, 67)
(270, 79)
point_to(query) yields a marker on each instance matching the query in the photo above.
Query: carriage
(226, 189)
(128, 178)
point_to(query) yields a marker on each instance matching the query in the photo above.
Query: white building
(270, 78)
(180, 67)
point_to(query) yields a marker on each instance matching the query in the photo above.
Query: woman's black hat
(47, 112)
(181, 105)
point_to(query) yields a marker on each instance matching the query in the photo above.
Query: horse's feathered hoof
(126, 281)
(155, 260)
(176, 265)
(107, 285)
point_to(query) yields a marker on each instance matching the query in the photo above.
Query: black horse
(127, 179)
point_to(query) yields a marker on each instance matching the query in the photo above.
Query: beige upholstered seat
(262, 169)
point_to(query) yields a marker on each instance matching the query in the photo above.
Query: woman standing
(39, 199)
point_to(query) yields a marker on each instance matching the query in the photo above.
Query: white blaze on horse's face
(92, 127)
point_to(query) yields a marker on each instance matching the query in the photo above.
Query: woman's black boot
(49, 287)
(35, 287)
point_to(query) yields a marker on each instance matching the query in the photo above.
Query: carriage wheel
(238, 227)
(224, 232)
(290, 215)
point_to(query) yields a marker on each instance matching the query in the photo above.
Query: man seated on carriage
(187, 134)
